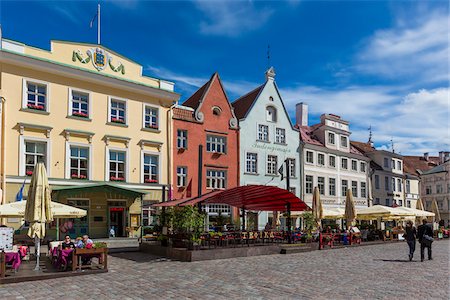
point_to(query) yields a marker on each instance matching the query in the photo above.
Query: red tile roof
(307, 136)
(183, 114)
(413, 163)
(194, 100)
(243, 104)
(363, 147)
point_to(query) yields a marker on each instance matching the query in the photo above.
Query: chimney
(425, 156)
(301, 114)
(441, 157)
(446, 156)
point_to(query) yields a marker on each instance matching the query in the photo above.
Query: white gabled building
(330, 162)
(267, 139)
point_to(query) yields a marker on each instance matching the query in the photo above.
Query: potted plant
(117, 120)
(80, 114)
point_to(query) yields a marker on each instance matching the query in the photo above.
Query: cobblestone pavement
(370, 272)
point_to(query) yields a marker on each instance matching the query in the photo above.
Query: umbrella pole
(57, 229)
(37, 245)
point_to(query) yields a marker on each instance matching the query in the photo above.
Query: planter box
(90, 251)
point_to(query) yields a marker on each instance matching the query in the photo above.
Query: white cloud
(417, 49)
(231, 18)
(418, 122)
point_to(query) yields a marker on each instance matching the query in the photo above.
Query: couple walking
(425, 235)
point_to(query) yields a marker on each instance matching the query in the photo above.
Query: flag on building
(19, 195)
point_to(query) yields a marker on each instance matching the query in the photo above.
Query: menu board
(6, 238)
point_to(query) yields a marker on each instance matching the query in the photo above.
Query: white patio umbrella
(38, 209)
(350, 211)
(317, 208)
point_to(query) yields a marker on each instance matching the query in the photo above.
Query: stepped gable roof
(194, 100)
(308, 137)
(414, 164)
(183, 114)
(243, 104)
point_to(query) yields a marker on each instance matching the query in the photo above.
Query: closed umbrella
(419, 206)
(435, 209)
(38, 209)
(350, 211)
(317, 208)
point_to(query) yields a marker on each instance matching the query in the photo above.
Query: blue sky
(379, 63)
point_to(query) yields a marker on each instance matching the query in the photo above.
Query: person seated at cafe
(85, 242)
(67, 243)
(267, 227)
(327, 230)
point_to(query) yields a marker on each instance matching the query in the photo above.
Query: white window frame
(344, 190)
(331, 134)
(332, 189)
(153, 153)
(321, 191)
(355, 188)
(185, 139)
(362, 166)
(329, 161)
(264, 134)
(67, 167)
(280, 137)
(224, 178)
(342, 163)
(306, 157)
(251, 161)
(292, 167)
(346, 141)
(354, 162)
(377, 182)
(184, 176)
(127, 162)
(70, 100)
(22, 140)
(216, 141)
(110, 99)
(158, 116)
(275, 167)
(324, 158)
(399, 185)
(362, 188)
(307, 182)
(25, 89)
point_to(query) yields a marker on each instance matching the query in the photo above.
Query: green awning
(103, 187)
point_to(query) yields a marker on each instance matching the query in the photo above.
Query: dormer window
(344, 141)
(271, 114)
(331, 139)
(216, 111)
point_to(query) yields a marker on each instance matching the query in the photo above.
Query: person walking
(411, 236)
(425, 235)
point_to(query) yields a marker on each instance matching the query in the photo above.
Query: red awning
(183, 201)
(253, 197)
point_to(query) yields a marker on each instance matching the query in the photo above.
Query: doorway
(117, 220)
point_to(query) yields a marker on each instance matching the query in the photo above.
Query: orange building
(205, 145)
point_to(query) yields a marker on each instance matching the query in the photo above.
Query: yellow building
(97, 123)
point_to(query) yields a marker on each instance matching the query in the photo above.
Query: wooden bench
(101, 253)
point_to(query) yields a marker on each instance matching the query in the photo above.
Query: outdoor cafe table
(13, 258)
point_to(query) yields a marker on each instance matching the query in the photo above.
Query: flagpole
(98, 25)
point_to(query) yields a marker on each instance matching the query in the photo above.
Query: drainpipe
(2, 150)
(169, 136)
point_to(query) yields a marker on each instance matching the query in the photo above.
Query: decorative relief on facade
(100, 59)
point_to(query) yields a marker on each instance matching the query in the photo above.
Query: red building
(205, 145)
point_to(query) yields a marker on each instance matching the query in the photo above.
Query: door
(117, 220)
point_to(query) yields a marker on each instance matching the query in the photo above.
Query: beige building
(386, 174)
(435, 185)
(98, 124)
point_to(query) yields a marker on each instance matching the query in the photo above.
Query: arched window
(271, 114)
(216, 110)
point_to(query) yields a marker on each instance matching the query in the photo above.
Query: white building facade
(330, 162)
(267, 140)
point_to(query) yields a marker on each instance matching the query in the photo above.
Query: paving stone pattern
(370, 272)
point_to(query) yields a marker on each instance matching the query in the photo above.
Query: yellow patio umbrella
(350, 211)
(317, 208)
(38, 209)
(419, 204)
(435, 209)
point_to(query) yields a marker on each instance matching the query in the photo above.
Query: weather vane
(268, 56)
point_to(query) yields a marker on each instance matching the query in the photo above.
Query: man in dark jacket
(422, 230)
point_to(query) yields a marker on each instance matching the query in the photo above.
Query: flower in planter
(152, 126)
(151, 180)
(116, 120)
(29, 173)
(113, 178)
(76, 176)
(37, 107)
(79, 114)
